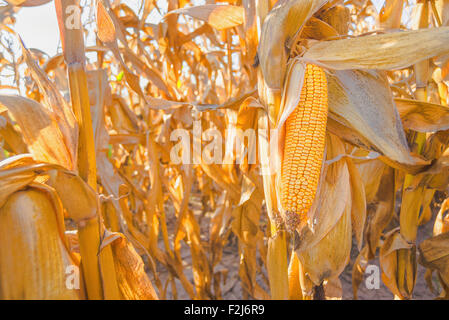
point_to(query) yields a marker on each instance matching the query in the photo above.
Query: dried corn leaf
(78, 198)
(358, 270)
(358, 208)
(218, 16)
(391, 14)
(12, 138)
(371, 173)
(56, 104)
(393, 243)
(423, 116)
(17, 172)
(382, 52)
(381, 211)
(40, 130)
(434, 254)
(363, 101)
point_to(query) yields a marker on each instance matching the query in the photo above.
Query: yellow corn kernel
(305, 131)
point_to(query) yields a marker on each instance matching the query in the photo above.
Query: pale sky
(39, 29)
(38, 26)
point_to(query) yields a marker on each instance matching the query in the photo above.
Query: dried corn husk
(34, 259)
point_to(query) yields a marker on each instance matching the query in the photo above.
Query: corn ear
(33, 257)
(305, 131)
(133, 282)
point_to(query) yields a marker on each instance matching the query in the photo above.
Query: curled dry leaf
(380, 210)
(40, 130)
(55, 103)
(391, 14)
(389, 250)
(218, 16)
(278, 32)
(423, 116)
(16, 173)
(12, 138)
(435, 176)
(77, 197)
(434, 254)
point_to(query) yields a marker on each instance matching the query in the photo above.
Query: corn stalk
(411, 202)
(98, 265)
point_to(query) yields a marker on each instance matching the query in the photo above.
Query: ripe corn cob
(305, 131)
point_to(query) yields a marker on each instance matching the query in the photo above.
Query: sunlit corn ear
(133, 282)
(34, 261)
(305, 131)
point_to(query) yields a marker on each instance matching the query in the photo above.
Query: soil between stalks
(232, 289)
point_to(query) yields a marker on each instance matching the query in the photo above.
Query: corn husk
(34, 258)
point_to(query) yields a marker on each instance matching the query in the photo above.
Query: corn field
(240, 149)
